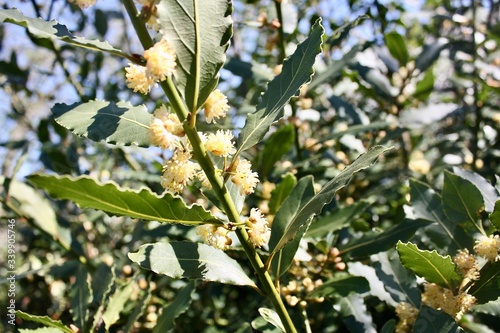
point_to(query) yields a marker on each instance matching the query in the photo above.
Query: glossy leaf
(192, 261)
(430, 54)
(119, 123)
(397, 47)
(278, 144)
(109, 197)
(286, 225)
(398, 281)
(427, 114)
(495, 216)
(487, 288)
(462, 201)
(375, 242)
(444, 234)
(281, 192)
(430, 265)
(170, 312)
(199, 32)
(44, 320)
(431, 320)
(80, 295)
(297, 70)
(116, 304)
(489, 193)
(355, 314)
(336, 220)
(54, 31)
(33, 205)
(341, 286)
(272, 317)
(315, 204)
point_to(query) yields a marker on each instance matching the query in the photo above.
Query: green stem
(281, 33)
(217, 182)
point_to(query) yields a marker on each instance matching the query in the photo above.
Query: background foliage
(422, 77)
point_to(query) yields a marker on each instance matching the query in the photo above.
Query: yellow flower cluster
(407, 315)
(487, 247)
(215, 106)
(244, 177)
(160, 64)
(443, 299)
(165, 130)
(466, 264)
(214, 236)
(258, 228)
(178, 172)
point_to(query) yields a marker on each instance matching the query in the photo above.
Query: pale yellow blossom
(139, 79)
(244, 177)
(258, 228)
(214, 236)
(83, 4)
(165, 129)
(160, 60)
(220, 143)
(407, 315)
(178, 172)
(216, 106)
(488, 247)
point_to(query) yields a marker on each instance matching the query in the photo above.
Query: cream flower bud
(487, 247)
(258, 228)
(165, 128)
(467, 264)
(220, 143)
(244, 177)
(160, 60)
(139, 79)
(214, 236)
(216, 106)
(407, 314)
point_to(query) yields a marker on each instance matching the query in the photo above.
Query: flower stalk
(216, 180)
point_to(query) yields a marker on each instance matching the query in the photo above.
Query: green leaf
(139, 307)
(487, 288)
(39, 330)
(272, 317)
(297, 71)
(281, 192)
(45, 320)
(278, 144)
(399, 282)
(492, 308)
(116, 123)
(116, 304)
(429, 265)
(341, 286)
(375, 242)
(199, 31)
(109, 197)
(192, 261)
(462, 201)
(389, 326)
(285, 225)
(495, 216)
(314, 206)
(489, 193)
(54, 31)
(103, 281)
(425, 85)
(80, 298)
(431, 320)
(173, 310)
(430, 54)
(397, 47)
(445, 234)
(32, 204)
(337, 220)
(355, 314)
